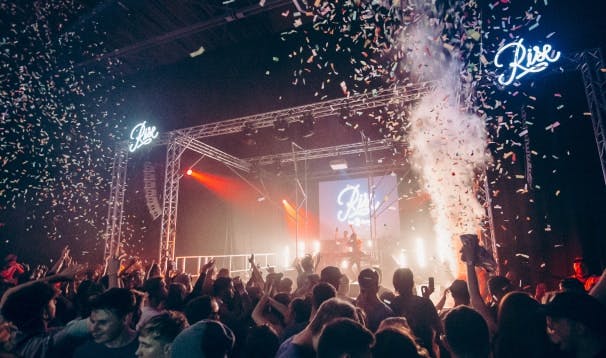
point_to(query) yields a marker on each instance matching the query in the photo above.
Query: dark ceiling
(146, 34)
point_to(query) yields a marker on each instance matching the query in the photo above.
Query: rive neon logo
(523, 60)
(354, 206)
(348, 202)
(142, 135)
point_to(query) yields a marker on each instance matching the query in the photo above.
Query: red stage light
(189, 171)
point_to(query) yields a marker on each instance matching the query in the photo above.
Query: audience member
(11, 270)
(332, 275)
(175, 298)
(207, 338)
(110, 326)
(521, 328)
(344, 337)
(157, 334)
(153, 302)
(302, 344)
(319, 294)
(570, 284)
(299, 312)
(375, 310)
(466, 333)
(581, 273)
(420, 312)
(261, 342)
(205, 307)
(393, 342)
(460, 294)
(576, 323)
(30, 307)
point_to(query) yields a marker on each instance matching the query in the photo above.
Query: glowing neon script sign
(142, 135)
(356, 205)
(524, 60)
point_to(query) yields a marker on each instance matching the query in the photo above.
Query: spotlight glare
(284, 202)
(189, 171)
(345, 264)
(402, 259)
(420, 253)
(286, 257)
(316, 244)
(301, 247)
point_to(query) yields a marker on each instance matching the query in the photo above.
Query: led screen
(349, 202)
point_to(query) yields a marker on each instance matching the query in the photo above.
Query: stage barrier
(237, 264)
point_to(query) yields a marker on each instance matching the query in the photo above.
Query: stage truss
(588, 62)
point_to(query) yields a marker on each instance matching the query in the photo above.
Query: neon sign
(356, 208)
(524, 60)
(142, 135)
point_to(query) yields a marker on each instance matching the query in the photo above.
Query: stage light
(261, 198)
(338, 164)
(316, 245)
(301, 247)
(307, 125)
(281, 129)
(344, 116)
(287, 261)
(278, 167)
(249, 131)
(189, 171)
(284, 202)
(344, 264)
(402, 259)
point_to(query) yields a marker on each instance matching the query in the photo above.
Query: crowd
(125, 309)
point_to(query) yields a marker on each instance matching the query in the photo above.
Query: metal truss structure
(116, 202)
(179, 140)
(591, 65)
(212, 152)
(326, 152)
(172, 175)
(319, 110)
(588, 62)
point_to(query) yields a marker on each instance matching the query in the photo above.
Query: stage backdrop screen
(345, 202)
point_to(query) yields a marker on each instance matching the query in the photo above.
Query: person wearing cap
(332, 275)
(369, 301)
(207, 339)
(576, 322)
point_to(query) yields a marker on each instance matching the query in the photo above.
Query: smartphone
(431, 284)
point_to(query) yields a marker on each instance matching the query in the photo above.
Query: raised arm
(468, 253)
(65, 275)
(442, 301)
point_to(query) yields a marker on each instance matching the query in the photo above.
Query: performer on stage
(352, 247)
(355, 244)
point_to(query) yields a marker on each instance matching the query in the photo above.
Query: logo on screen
(354, 205)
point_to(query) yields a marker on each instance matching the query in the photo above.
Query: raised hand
(207, 265)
